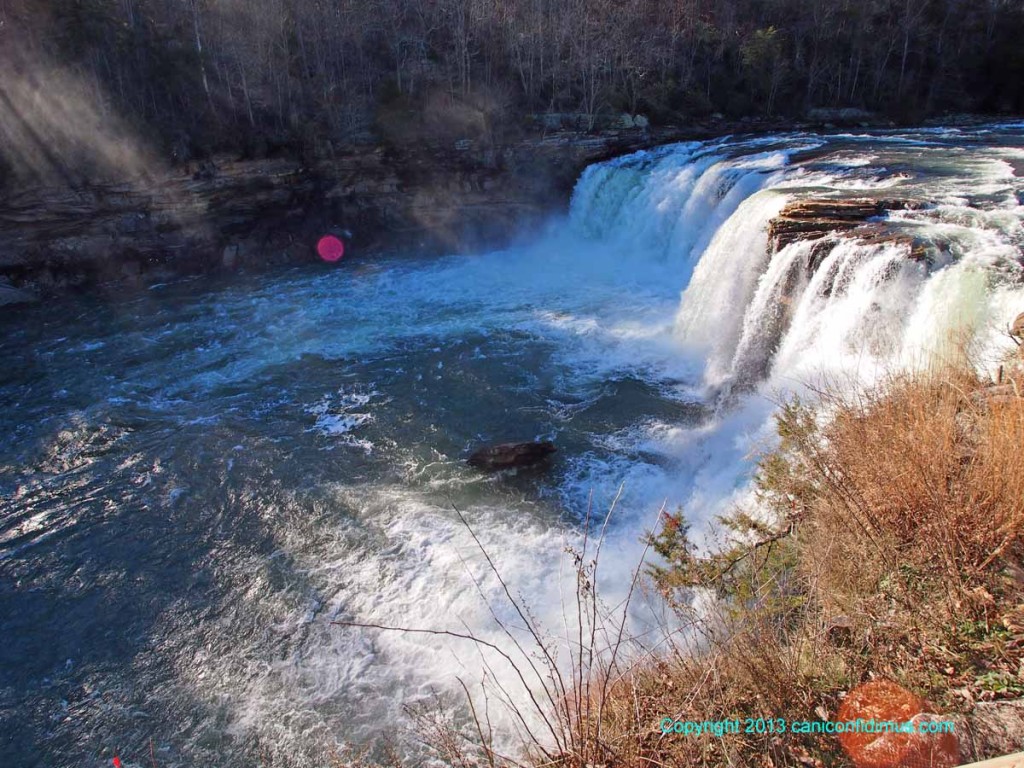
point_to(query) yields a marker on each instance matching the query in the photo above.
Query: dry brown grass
(925, 473)
(894, 550)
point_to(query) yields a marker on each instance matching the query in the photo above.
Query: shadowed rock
(1002, 394)
(11, 295)
(511, 455)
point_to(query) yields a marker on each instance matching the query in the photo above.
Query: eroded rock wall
(225, 214)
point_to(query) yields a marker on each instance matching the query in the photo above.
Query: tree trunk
(199, 54)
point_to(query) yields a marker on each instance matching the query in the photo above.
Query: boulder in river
(511, 455)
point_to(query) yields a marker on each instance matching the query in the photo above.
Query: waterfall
(857, 304)
(712, 309)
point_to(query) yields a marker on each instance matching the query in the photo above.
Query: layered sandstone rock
(225, 214)
(858, 218)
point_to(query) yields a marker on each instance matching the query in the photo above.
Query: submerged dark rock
(12, 295)
(511, 455)
(9, 295)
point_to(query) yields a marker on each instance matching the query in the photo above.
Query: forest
(254, 75)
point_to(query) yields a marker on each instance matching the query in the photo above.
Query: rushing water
(195, 482)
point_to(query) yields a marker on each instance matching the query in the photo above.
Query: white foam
(342, 413)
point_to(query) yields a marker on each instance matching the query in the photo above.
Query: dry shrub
(890, 530)
(917, 483)
(755, 669)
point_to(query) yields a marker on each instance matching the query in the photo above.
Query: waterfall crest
(941, 269)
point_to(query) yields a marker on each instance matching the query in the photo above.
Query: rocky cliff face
(224, 214)
(816, 219)
(55, 238)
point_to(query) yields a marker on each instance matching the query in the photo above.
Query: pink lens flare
(330, 248)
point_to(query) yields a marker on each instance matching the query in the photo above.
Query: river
(196, 481)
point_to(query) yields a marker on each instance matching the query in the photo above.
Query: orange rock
(882, 700)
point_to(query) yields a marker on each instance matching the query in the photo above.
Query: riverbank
(892, 551)
(223, 214)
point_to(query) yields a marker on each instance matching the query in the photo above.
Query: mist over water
(196, 482)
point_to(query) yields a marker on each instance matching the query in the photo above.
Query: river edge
(224, 215)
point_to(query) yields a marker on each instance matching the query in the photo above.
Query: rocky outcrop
(808, 219)
(1017, 329)
(511, 455)
(992, 728)
(57, 238)
(816, 219)
(224, 214)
